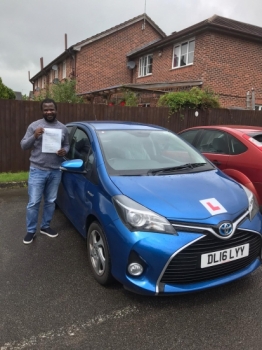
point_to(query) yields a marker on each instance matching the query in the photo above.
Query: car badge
(225, 229)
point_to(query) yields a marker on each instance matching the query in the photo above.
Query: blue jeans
(41, 183)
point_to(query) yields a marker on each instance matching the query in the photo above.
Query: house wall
(46, 81)
(228, 65)
(102, 63)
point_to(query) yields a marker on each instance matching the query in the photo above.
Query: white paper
(51, 140)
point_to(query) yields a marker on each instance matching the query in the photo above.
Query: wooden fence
(15, 116)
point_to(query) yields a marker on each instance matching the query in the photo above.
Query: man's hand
(61, 152)
(38, 132)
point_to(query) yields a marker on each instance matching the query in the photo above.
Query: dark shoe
(29, 238)
(49, 232)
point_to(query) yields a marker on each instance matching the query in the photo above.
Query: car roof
(245, 129)
(117, 125)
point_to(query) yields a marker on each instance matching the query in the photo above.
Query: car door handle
(216, 162)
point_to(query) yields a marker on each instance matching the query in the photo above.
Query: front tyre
(98, 254)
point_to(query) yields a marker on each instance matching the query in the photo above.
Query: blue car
(157, 215)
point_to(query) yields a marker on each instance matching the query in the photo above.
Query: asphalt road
(49, 300)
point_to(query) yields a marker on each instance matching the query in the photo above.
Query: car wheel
(98, 254)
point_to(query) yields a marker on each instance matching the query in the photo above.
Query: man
(44, 173)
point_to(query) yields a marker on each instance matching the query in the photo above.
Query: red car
(235, 149)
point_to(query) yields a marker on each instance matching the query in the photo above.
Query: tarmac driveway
(49, 300)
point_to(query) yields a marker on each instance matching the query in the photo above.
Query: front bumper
(157, 251)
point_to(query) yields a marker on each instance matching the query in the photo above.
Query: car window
(190, 135)
(213, 141)
(80, 146)
(236, 146)
(257, 137)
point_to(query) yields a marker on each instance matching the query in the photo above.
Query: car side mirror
(73, 166)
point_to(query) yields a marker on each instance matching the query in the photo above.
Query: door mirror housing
(74, 165)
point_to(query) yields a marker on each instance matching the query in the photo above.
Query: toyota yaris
(156, 214)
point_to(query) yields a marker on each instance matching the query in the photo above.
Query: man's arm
(31, 135)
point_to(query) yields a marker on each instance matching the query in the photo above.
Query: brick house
(217, 53)
(99, 61)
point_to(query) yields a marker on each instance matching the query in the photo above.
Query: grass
(10, 177)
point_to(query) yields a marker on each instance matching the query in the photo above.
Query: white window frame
(258, 107)
(43, 82)
(145, 65)
(64, 70)
(51, 76)
(186, 56)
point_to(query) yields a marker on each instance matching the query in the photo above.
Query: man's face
(49, 112)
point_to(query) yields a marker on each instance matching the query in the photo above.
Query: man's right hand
(38, 132)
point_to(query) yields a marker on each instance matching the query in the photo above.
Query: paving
(49, 300)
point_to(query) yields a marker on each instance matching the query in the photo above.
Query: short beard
(50, 121)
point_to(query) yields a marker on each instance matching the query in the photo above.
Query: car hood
(179, 196)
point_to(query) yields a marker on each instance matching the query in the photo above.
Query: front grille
(185, 266)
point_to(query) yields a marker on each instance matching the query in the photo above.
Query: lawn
(11, 177)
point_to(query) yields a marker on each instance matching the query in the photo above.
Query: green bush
(195, 98)
(130, 98)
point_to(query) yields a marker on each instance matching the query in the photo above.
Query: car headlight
(253, 206)
(138, 218)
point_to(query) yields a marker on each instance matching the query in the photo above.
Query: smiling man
(44, 173)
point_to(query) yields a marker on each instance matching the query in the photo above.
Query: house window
(43, 82)
(56, 73)
(183, 54)
(50, 76)
(258, 107)
(64, 70)
(145, 65)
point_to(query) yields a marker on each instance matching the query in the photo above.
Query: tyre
(98, 254)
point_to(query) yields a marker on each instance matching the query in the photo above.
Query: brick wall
(103, 63)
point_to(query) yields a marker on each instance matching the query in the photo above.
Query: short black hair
(48, 100)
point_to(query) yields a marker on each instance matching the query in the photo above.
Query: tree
(65, 92)
(61, 92)
(195, 98)
(5, 92)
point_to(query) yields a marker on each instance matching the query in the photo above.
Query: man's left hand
(61, 152)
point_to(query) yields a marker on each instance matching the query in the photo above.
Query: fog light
(135, 269)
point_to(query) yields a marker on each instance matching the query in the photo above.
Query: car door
(78, 188)
(214, 144)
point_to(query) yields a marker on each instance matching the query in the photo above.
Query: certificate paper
(51, 140)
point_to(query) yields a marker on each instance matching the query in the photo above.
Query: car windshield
(148, 152)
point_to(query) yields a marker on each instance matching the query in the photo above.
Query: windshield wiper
(174, 169)
(195, 165)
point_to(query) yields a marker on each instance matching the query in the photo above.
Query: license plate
(224, 256)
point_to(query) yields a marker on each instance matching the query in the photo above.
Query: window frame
(145, 65)
(56, 73)
(179, 47)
